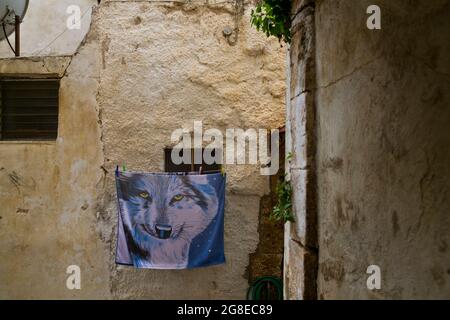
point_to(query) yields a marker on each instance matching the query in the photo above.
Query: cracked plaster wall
(368, 115)
(382, 100)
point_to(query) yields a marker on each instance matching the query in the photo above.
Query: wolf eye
(144, 195)
(178, 197)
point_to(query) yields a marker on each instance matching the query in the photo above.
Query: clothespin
(117, 171)
(222, 169)
(200, 170)
(124, 168)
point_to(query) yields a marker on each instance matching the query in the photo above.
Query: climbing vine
(283, 209)
(273, 18)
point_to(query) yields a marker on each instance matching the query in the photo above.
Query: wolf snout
(163, 231)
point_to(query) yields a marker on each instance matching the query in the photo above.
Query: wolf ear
(123, 187)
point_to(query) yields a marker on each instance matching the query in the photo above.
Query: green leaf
(273, 18)
(283, 209)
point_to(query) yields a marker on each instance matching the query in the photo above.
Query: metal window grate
(29, 109)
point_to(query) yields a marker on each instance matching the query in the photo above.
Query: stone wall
(300, 264)
(267, 260)
(143, 70)
(379, 101)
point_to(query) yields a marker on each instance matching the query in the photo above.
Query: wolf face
(163, 214)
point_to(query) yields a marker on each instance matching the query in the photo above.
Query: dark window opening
(29, 109)
(172, 167)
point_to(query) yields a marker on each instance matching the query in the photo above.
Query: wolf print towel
(170, 221)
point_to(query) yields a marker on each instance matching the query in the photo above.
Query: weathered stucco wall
(379, 102)
(383, 149)
(144, 70)
(48, 191)
(173, 66)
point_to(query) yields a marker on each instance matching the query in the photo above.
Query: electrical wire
(7, 39)
(90, 8)
(64, 31)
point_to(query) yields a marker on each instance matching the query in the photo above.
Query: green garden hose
(266, 288)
